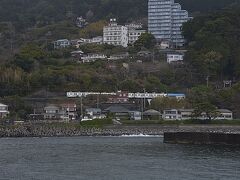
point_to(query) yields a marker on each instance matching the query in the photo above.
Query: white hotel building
(165, 19)
(115, 34)
(119, 35)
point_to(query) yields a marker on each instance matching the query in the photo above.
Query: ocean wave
(141, 135)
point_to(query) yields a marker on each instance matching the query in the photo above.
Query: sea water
(110, 158)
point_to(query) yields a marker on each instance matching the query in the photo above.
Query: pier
(208, 138)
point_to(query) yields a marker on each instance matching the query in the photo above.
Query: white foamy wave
(141, 135)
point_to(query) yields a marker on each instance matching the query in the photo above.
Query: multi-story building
(61, 43)
(186, 114)
(134, 26)
(81, 22)
(82, 41)
(97, 40)
(134, 34)
(93, 57)
(60, 113)
(115, 34)
(70, 110)
(165, 19)
(174, 57)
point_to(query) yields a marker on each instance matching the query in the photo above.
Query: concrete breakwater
(51, 131)
(45, 130)
(202, 138)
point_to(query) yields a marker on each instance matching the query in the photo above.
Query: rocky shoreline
(58, 131)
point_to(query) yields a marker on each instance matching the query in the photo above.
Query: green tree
(207, 109)
(202, 100)
(146, 40)
(162, 103)
(93, 29)
(213, 45)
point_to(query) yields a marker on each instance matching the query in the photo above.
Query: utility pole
(81, 107)
(153, 55)
(144, 102)
(97, 100)
(12, 35)
(142, 108)
(207, 79)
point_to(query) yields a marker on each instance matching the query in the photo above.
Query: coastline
(45, 130)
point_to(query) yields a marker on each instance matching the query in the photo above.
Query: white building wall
(133, 35)
(174, 58)
(116, 35)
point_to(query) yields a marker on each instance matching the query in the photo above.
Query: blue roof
(175, 94)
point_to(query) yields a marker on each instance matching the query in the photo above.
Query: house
(131, 106)
(118, 111)
(92, 58)
(78, 42)
(152, 114)
(144, 54)
(81, 22)
(77, 54)
(86, 118)
(69, 110)
(225, 114)
(51, 112)
(164, 45)
(3, 110)
(81, 41)
(61, 43)
(174, 57)
(64, 112)
(171, 114)
(94, 113)
(60, 113)
(119, 56)
(186, 114)
(135, 115)
(75, 43)
(97, 40)
(36, 117)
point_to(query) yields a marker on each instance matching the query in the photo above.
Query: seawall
(202, 138)
(59, 130)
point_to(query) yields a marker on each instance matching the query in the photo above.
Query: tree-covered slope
(214, 45)
(28, 13)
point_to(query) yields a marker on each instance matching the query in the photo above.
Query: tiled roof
(117, 109)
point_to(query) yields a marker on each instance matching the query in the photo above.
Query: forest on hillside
(213, 42)
(28, 64)
(23, 21)
(29, 13)
(214, 45)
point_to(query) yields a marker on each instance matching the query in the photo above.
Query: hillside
(31, 13)
(29, 64)
(214, 45)
(23, 21)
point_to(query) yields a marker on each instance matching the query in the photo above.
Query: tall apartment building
(115, 34)
(165, 19)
